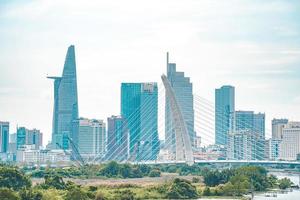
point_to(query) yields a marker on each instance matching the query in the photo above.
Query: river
(294, 195)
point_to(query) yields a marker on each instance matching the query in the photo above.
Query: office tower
(65, 102)
(290, 145)
(272, 149)
(91, 137)
(259, 120)
(277, 126)
(26, 136)
(4, 136)
(21, 137)
(117, 139)
(224, 113)
(183, 90)
(248, 120)
(244, 145)
(139, 107)
(34, 137)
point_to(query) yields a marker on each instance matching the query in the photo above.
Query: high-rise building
(183, 89)
(139, 106)
(29, 137)
(21, 137)
(91, 139)
(245, 145)
(272, 149)
(4, 136)
(277, 126)
(290, 145)
(248, 120)
(65, 102)
(117, 139)
(224, 113)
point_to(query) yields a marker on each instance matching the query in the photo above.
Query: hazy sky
(251, 44)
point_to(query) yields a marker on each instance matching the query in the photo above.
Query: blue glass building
(183, 90)
(248, 120)
(21, 137)
(117, 139)
(139, 107)
(65, 102)
(224, 113)
(4, 136)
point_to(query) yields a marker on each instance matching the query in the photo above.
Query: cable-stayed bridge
(252, 152)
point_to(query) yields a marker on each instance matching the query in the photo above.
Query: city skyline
(269, 70)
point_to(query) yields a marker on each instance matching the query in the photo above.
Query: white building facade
(290, 145)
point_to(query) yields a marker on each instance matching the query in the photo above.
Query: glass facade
(224, 113)
(117, 139)
(4, 136)
(139, 107)
(183, 90)
(65, 102)
(248, 120)
(91, 137)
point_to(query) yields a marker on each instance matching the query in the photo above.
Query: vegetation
(15, 185)
(284, 183)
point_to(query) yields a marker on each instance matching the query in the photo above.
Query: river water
(294, 195)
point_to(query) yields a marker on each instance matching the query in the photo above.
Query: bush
(154, 173)
(124, 195)
(182, 189)
(76, 194)
(8, 194)
(285, 183)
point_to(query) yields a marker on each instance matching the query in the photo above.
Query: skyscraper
(4, 136)
(65, 102)
(224, 113)
(91, 137)
(248, 120)
(183, 90)
(277, 126)
(29, 137)
(117, 138)
(139, 107)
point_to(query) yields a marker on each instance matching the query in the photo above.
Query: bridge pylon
(183, 148)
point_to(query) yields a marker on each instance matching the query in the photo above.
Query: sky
(253, 45)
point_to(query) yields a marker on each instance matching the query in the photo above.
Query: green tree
(54, 181)
(126, 171)
(11, 177)
(155, 173)
(182, 189)
(29, 194)
(272, 181)
(110, 170)
(285, 183)
(206, 191)
(8, 194)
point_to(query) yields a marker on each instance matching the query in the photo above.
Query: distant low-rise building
(29, 155)
(290, 145)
